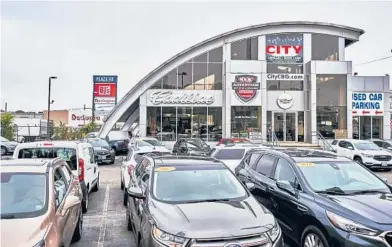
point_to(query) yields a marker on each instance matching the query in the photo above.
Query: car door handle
(302, 208)
(271, 188)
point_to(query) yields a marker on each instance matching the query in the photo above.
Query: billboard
(105, 89)
(81, 117)
(284, 48)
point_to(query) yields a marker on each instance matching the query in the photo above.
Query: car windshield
(67, 154)
(141, 143)
(4, 139)
(23, 195)
(184, 184)
(98, 143)
(229, 154)
(344, 176)
(153, 142)
(366, 146)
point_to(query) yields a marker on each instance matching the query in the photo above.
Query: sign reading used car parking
(367, 104)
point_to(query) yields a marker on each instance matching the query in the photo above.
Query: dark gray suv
(195, 201)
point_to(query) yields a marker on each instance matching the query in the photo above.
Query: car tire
(125, 198)
(85, 203)
(96, 187)
(358, 160)
(122, 185)
(112, 162)
(129, 223)
(3, 150)
(79, 229)
(311, 236)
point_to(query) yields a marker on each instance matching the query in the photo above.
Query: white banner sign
(285, 77)
(367, 104)
(184, 97)
(77, 118)
(105, 100)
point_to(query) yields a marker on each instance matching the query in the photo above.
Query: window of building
(184, 122)
(246, 122)
(169, 125)
(214, 121)
(169, 81)
(285, 85)
(201, 58)
(199, 122)
(215, 55)
(331, 90)
(215, 76)
(154, 122)
(330, 119)
(157, 84)
(185, 76)
(246, 49)
(200, 78)
(325, 47)
(285, 68)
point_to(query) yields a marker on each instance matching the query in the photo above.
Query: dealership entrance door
(368, 127)
(288, 126)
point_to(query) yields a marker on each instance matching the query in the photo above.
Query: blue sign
(105, 78)
(367, 103)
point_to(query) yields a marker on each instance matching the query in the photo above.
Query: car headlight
(350, 226)
(367, 155)
(274, 232)
(167, 239)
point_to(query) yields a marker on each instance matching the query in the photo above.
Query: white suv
(78, 155)
(364, 152)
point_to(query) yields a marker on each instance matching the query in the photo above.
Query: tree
(90, 127)
(7, 125)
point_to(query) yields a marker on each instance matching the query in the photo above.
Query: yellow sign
(305, 164)
(164, 169)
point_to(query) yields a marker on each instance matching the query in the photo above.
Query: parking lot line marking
(102, 228)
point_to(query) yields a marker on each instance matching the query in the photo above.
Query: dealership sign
(285, 101)
(105, 89)
(284, 48)
(164, 97)
(285, 77)
(246, 87)
(367, 104)
(82, 117)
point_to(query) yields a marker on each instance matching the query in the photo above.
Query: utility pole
(49, 103)
(6, 106)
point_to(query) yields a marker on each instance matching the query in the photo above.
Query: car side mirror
(121, 159)
(70, 202)
(250, 186)
(136, 192)
(351, 148)
(286, 186)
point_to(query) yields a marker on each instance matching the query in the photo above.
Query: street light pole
(49, 103)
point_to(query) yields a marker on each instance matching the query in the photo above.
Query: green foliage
(7, 125)
(62, 132)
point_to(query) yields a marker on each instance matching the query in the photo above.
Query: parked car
(147, 142)
(364, 152)
(195, 201)
(225, 141)
(192, 146)
(103, 152)
(119, 141)
(233, 154)
(92, 135)
(319, 198)
(384, 144)
(7, 146)
(78, 155)
(41, 203)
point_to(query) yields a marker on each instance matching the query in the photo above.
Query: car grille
(102, 153)
(251, 241)
(382, 157)
(388, 238)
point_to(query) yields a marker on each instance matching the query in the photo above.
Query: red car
(225, 141)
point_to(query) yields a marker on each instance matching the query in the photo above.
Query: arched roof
(350, 34)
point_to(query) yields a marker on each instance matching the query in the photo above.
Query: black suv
(191, 146)
(319, 198)
(195, 201)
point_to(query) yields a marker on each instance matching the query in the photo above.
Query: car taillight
(81, 169)
(130, 169)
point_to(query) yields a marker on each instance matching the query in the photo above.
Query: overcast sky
(75, 40)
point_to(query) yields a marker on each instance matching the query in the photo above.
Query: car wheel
(85, 203)
(129, 223)
(3, 150)
(122, 185)
(78, 230)
(358, 160)
(112, 162)
(96, 187)
(125, 198)
(313, 237)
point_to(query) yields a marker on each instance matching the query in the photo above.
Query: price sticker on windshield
(165, 169)
(305, 164)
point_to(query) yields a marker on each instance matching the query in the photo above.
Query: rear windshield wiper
(7, 216)
(209, 200)
(332, 191)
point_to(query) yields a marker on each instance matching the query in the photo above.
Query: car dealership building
(288, 80)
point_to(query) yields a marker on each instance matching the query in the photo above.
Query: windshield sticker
(165, 169)
(305, 164)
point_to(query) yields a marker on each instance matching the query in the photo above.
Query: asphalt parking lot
(104, 223)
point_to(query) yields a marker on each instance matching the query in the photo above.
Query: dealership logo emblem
(285, 101)
(246, 87)
(233, 245)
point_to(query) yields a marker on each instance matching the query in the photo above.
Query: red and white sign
(283, 50)
(77, 118)
(104, 90)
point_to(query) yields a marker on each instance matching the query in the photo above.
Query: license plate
(384, 164)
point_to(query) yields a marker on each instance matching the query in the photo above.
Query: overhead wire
(380, 59)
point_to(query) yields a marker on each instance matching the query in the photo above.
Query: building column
(387, 110)
(307, 57)
(226, 104)
(143, 115)
(263, 87)
(349, 103)
(342, 48)
(313, 106)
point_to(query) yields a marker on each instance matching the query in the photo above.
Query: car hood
(22, 232)
(212, 219)
(375, 152)
(101, 149)
(232, 164)
(10, 143)
(147, 149)
(375, 207)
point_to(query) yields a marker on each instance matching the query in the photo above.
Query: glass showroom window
(325, 47)
(154, 122)
(185, 76)
(330, 119)
(199, 122)
(169, 124)
(169, 81)
(184, 122)
(246, 49)
(214, 120)
(245, 121)
(285, 85)
(157, 84)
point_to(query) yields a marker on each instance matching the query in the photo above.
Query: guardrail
(322, 142)
(273, 139)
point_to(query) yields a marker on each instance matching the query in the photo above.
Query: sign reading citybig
(284, 48)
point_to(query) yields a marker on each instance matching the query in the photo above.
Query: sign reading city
(285, 77)
(246, 87)
(163, 97)
(367, 104)
(105, 89)
(284, 48)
